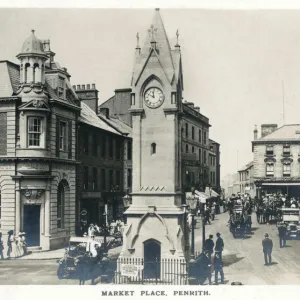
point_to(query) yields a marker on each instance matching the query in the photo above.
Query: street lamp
(127, 201)
(105, 232)
(114, 189)
(192, 203)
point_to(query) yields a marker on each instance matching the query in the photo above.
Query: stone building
(214, 166)
(276, 159)
(102, 150)
(38, 116)
(246, 180)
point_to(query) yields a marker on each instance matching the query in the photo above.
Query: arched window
(35, 71)
(153, 148)
(60, 206)
(27, 66)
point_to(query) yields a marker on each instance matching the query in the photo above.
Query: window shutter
(57, 137)
(70, 140)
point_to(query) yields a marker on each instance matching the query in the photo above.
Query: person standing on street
(209, 245)
(10, 240)
(267, 249)
(218, 266)
(282, 234)
(206, 265)
(219, 245)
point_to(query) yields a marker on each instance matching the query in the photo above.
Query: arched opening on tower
(153, 148)
(26, 77)
(35, 77)
(152, 256)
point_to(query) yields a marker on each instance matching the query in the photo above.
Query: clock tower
(155, 220)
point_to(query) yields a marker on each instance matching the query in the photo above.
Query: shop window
(270, 170)
(269, 150)
(286, 170)
(60, 206)
(34, 132)
(63, 136)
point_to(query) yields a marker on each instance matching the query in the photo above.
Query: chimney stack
(255, 133)
(197, 109)
(78, 87)
(93, 86)
(74, 87)
(266, 129)
(88, 86)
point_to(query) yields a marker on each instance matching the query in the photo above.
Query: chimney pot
(93, 86)
(78, 87)
(105, 111)
(74, 87)
(83, 86)
(88, 86)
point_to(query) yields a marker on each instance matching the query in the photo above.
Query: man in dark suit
(267, 249)
(218, 266)
(219, 245)
(282, 234)
(209, 245)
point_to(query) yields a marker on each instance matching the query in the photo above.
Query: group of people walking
(16, 245)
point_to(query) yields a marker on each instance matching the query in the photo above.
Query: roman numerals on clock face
(154, 97)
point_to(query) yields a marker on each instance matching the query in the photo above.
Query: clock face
(154, 97)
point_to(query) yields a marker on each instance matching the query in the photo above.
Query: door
(151, 259)
(32, 224)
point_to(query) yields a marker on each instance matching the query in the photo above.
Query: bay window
(34, 132)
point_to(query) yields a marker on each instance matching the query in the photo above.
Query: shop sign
(131, 270)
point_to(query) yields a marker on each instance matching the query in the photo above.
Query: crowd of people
(116, 226)
(16, 245)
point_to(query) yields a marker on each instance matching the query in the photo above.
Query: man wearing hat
(219, 244)
(209, 245)
(267, 249)
(282, 234)
(218, 266)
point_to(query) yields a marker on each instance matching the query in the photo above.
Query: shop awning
(211, 193)
(202, 196)
(281, 183)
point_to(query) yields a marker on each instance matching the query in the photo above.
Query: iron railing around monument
(163, 272)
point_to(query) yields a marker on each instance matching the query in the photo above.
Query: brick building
(102, 150)
(38, 116)
(276, 159)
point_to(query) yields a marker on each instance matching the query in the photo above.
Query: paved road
(244, 260)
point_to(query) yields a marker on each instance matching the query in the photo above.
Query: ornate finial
(152, 31)
(177, 37)
(137, 40)
(32, 31)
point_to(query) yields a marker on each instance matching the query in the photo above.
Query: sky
(242, 67)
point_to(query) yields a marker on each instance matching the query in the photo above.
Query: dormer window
(286, 150)
(34, 131)
(269, 150)
(61, 87)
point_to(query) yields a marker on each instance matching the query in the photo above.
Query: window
(186, 148)
(63, 136)
(118, 149)
(35, 67)
(270, 169)
(153, 148)
(103, 146)
(61, 87)
(186, 130)
(95, 144)
(34, 132)
(286, 169)
(193, 133)
(129, 150)
(27, 66)
(85, 178)
(269, 150)
(111, 179)
(204, 157)
(200, 136)
(103, 179)
(286, 150)
(95, 178)
(111, 147)
(193, 149)
(200, 155)
(118, 178)
(60, 206)
(204, 137)
(129, 178)
(86, 143)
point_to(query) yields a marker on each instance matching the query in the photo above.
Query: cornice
(136, 111)
(39, 159)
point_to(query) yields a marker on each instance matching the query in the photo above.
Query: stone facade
(246, 180)
(38, 157)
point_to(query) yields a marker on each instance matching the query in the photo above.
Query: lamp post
(105, 232)
(114, 190)
(127, 201)
(192, 203)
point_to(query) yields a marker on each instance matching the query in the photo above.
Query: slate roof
(284, 133)
(9, 78)
(33, 45)
(116, 123)
(246, 167)
(88, 116)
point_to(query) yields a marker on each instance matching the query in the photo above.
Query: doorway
(152, 259)
(32, 224)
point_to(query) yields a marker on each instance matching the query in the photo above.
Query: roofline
(10, 62)
(114, 127)
(106, 100)
(123, 90)
(88, 124)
